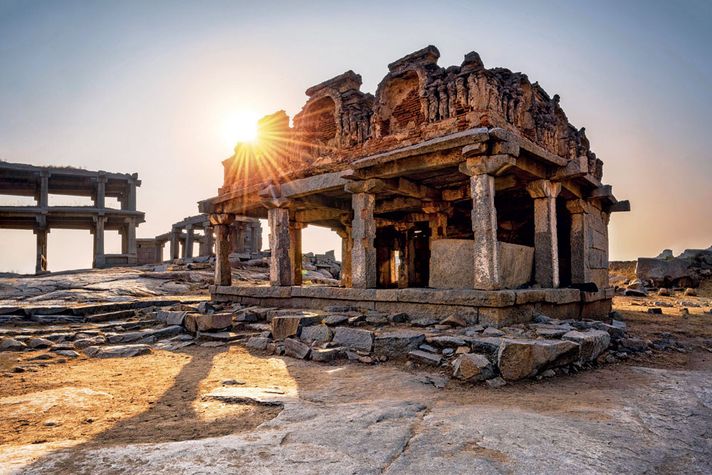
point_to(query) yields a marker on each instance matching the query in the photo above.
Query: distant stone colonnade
(245, 236)
(18, 179)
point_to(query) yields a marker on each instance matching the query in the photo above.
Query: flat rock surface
(352, 418)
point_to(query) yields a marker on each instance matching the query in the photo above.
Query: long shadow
(170, 418)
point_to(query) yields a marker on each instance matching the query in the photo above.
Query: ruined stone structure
(465, 180)
(39, 182)
(245, 236)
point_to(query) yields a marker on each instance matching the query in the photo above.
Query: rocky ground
(155, 380)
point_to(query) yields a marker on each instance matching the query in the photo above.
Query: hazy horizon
(153, 87)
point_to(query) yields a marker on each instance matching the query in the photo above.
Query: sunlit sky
(157, 87)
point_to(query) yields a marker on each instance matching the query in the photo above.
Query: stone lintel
(603, 191)
(577, 167)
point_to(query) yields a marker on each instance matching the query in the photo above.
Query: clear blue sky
(148, 86)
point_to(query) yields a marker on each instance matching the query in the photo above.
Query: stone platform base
(496, 308)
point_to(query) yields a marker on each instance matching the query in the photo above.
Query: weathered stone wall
(417, 100)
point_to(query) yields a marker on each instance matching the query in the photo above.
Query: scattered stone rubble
(473, 353)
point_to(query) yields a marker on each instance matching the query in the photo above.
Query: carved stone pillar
(223, 271)
(280, 268)
(346, 245)
(580, 272)
(175, 244)
(41, 263)
(99, 257)
(481, 170)
(131, 249)
(100, 199)
(188, 249)
(363, 233)
(546, 248)
(43, 196)
(295, 250)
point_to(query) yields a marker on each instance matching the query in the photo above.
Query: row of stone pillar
(359, 261)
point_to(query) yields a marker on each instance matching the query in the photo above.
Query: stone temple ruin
(245, 236)
(39, 182)
(459, 189)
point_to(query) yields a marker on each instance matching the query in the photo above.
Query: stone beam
(397, 204)
(619, 206)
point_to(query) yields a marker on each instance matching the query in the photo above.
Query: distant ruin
(453, 189)
(39, 182)
(245, 236)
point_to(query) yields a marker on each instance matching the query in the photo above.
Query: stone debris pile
(468, 352)
(667, 271)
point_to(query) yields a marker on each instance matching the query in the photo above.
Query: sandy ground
(61, 410)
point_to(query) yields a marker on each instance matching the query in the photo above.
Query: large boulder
(665, 272)
(472, 367)
(519, 359)
(397, 344)
(591, 342)
(353, 338)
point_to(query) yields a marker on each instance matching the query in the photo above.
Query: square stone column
(482, 170)
(363, 233)
(346, 245)
(99, 256)
(43, 195)
(237, 237)
(256, 237)
(175, 244)
(41, 263)
(100, 198)
(131, 249)
(281, 272)
(546, 248)
(223, 270)
(579, 242)
(188, 249)
(295, 250)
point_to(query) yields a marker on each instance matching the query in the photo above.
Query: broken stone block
(10, 344)
(446, 341)
(519, 359)
(85, 342)
(551, 331)
(196, 322)
(171, 317)
(591, 343)
(258, 343)
(614, 332)
(117, 351)
(655, 310)
(399, 317)
(68, 353)
(324, 355)
(333, 320)
(496, 383)
(39, 343)
(296, 349)
(690, 292)
(633, 344)
(485, 344)
(316, 334)
(491, 331)
(424, 357)
(664, 292)
(353, 338)
(472, 367)
(205, 308)
(397, 344)
(377, 319)
(285, 326)
(424, 321)
(428, 348)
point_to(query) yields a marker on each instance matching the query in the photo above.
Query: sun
(240, 126)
